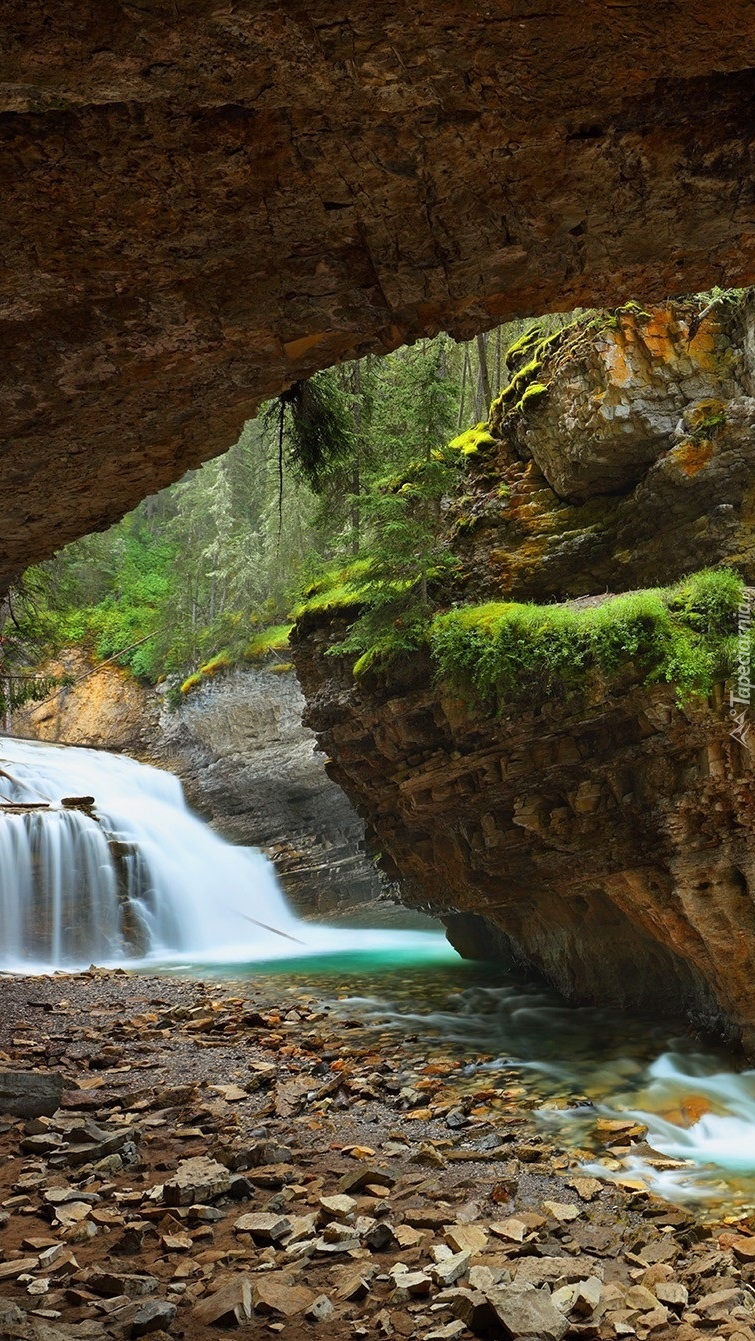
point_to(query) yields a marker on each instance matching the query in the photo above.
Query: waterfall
(101, 861)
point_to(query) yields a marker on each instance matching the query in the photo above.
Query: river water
(569, 1064)
(131, 877)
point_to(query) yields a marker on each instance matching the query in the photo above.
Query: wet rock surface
(358, 1213)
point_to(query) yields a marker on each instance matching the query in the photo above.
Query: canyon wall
(248, 766)
(605, 837)
(203, 203)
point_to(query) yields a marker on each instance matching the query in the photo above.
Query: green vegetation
(472, 441)
(188, 584)
(265, 641)
(497, 654)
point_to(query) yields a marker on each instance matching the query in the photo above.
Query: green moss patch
(221, 662)
(336, 589)
(473, 441)
(191, 683)
(684, 635)
(264, 641)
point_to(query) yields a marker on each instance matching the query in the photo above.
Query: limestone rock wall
(252, 769)
(203, 203)
(636, 467)
(104, 708)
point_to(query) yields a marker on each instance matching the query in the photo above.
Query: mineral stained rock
(204, 203)
(607, 839)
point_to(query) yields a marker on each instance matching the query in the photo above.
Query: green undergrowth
(265, 641)
(684, 635)
(264, 644)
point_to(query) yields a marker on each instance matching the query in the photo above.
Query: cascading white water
(138, 877)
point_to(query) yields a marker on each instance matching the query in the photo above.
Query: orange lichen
(616, 360)
(661, 335)
(691, 456)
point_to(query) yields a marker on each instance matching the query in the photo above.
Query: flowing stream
(100, 860)
(571, 1065)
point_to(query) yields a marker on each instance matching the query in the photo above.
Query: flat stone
(562, 1211)
(71, 1212)
(362, 1176)
(526, 1313)
(587, 1295)
(718, 1305)
(672, 1293)
(466, 1238)
(556, 1271)
(742, 1247)
(30, 1094)
(154, 1316)
(414, 1283)
(513, 1229)
(276, 1293)
(586, 1188)
(320, 1309)
(228, 1306)
(448, 1332)
(231, 1093)
(177, 1243)
(196, 1180)
(264, 1226)
(353, 1282)
(425, 1217)
(452, 1269)
(110, 1284)
(18, 1267)
(379, 1237)
(338, 1207)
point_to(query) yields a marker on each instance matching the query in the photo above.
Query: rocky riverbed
(244, 1155)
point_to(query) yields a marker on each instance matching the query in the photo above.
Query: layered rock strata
(203, 204)
(607, 837)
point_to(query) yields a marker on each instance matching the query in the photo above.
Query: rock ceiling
(204, 201)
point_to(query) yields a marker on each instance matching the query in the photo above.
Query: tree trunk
(483, 379)
(462, 398)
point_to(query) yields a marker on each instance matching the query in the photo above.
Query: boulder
(30, 1094)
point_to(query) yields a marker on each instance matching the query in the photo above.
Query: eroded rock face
(252, 769)
(606, 839)
(636, 467)
(202, 204)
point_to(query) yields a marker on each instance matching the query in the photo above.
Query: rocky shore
(205, 1156)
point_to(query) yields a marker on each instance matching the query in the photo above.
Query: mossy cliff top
(500, 654)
